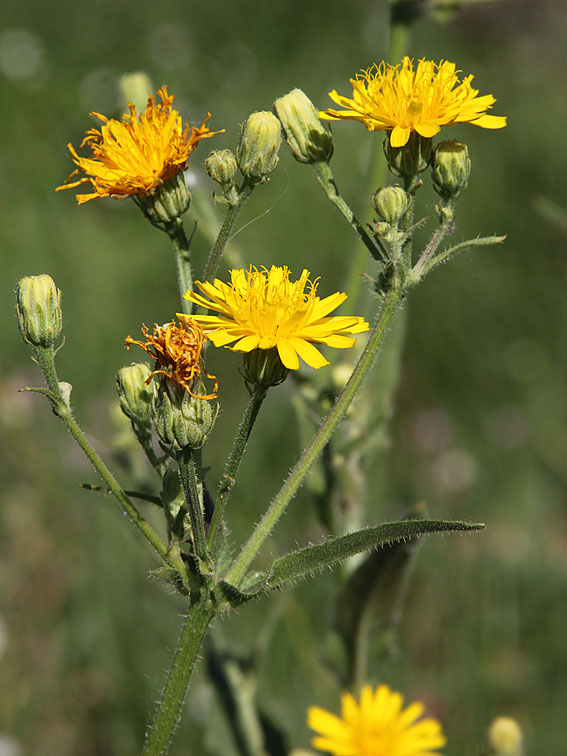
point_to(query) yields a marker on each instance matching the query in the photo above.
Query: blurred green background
(477, 425)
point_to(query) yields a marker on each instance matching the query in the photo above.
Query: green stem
(189, 468)
(397, 47)
(225, 231)
(181, 247)
(326, 430)
(236, 682)
(45, 358)
(407, 228)
(228, 480)
(400, 20)
(167, 716)
(481, 241)
(327, 181)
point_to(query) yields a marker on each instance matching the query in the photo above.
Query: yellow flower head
(177, 353)
(377, 726)
(138, 153)
(262, 309)
(400, 100)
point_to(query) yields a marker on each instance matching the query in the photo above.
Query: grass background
(478, 422)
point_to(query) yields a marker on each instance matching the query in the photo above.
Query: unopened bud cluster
(168, 202)
(39, 310)
(308, 138)
(260, 142)
(181, 420)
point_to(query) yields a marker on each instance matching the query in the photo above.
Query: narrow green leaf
(302, 563)
(305, 562)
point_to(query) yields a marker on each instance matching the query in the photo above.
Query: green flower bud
(166, 203)
(221, 166)
(135, 394)
(411, 159)
(390, 203)
(134, 88)
(180, 419)
(172, 492)
(260, 141)
(451, 168)
(308, 138)
(264, 368)
(39, 310)
(505, 737)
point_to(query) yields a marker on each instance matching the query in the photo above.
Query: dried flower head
(375, 726)
(401, 99)
(177, 353)
(262, 309)
(137, 154)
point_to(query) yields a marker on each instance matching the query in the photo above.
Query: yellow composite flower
(401, 99)
(375, 726)
(263, 309)
(137, 154)
(177, 353)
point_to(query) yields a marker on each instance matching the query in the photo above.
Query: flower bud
(411, 159)
(180, 419)
(260, 141)
(39, 310)
(390, 203)
(264, 368)
(135, 394)
(308, 138)
(221, 166)
(451, 168)
(172, 492)
(134, 88)
(505, 737)
(166, 203)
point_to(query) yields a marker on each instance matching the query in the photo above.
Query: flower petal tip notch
(405, 98)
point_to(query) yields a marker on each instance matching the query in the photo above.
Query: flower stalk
(295, 479)
(257, 396)
(181, 248)
(45, 359)
(189, 462)
(327, 182)
(225, 231)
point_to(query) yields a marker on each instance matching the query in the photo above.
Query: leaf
(302, 563)
(367, 610)
(305, 562)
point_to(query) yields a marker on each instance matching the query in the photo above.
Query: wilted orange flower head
(403, 98)
(177, 353)
(137, 154)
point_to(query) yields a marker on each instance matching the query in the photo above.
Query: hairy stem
(225, 231)
(190, 470)
(326, 430)
(168, 713)
(45, 359)
(181, 248)
(327, 181)
(228, 480)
